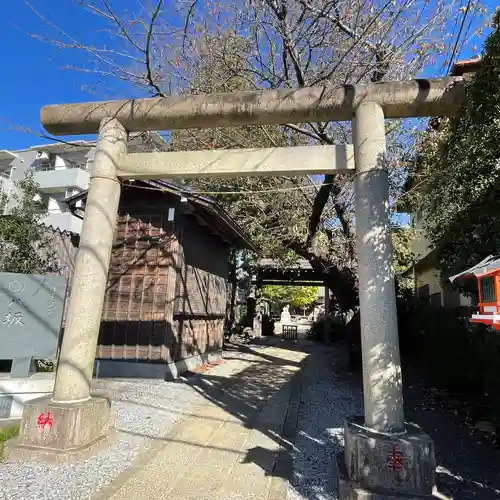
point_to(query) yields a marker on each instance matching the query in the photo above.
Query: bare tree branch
(147, 50)
(186, 46)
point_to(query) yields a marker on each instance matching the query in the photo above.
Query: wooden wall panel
(159, 270)
(136, 320)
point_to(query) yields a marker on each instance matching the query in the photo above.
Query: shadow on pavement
(264, 397)
(468, 465)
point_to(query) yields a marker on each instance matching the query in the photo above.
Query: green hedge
(455, 355)
(332, 324)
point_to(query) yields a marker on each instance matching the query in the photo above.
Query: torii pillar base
(61, 431)
(378, 466)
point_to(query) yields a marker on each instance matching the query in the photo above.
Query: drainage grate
(5, 405)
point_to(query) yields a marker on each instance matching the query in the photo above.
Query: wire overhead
(228, 193)
(457, 41)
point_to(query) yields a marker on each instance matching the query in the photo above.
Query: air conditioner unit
(42, 155)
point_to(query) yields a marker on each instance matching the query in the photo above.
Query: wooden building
(165, 302)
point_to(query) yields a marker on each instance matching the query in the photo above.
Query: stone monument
(31, 309)
(286, 319)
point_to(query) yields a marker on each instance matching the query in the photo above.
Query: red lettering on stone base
(44, 420)
(395, 460)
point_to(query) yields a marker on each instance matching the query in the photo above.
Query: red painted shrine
(487, 274)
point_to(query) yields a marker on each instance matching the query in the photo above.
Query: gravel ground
(468, 462)
(327, 397)
(143, 410)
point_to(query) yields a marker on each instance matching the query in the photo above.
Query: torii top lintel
(412, 98)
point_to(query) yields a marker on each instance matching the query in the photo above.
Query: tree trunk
(341, 282)
(230, 316)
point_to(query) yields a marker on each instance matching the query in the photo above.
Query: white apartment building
(62, 171)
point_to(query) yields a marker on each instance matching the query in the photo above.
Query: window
(81, 164)
(487, 285)
(41, 202)
(44, 161)
(5, 405)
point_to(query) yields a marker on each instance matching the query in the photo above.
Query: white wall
(431, 277)
(64, 221)
(26, 389)
(6, 184)
(63, 179)
(56, 204)
(22, 164)
(60, 185)
(59, 163)
(420, 245)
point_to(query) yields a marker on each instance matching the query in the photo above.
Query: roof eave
(213, 206)
(237, 236)
(234, 227)
(486, 266)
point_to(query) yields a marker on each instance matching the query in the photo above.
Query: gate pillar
(77, 418)
(383, 454)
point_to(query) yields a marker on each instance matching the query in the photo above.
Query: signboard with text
(31, 309)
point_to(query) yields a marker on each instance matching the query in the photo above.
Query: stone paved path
(226, 448)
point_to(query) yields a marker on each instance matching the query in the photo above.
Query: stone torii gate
(382, 452)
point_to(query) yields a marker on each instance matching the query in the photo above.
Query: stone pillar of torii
(382, 452)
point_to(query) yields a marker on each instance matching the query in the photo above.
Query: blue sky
(32, 75)
(32, 71)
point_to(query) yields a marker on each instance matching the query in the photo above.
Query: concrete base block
(191, 363)
(62, 428)
(116, 368)
(401, 464)
(14, 392)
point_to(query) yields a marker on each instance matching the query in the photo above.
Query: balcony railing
(44, 167)
(5, 173)
(62, 179)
